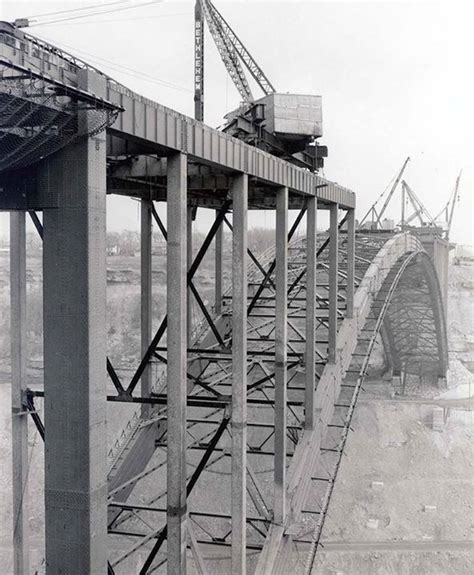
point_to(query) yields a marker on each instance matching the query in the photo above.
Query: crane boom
(392, 191)
(418, 206)
(227, 52)
(453, 203)
(250, 63)
(372, 210)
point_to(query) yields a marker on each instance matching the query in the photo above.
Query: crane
(377, 216)
(448, 208)
(274, 122)
(453, 203)
(232, 51)
(418, 206)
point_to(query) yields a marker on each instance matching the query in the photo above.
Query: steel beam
(239, 373)
(310, 335)
(196, 551)
(333, 287)
(177, 264)
(281, 343)
(271, 268)
(350, 263)
(189, 249)
(18, 388)
(74, 270)
(146, 295)
(218, 268)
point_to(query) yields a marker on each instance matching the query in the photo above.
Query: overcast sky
(395, 77)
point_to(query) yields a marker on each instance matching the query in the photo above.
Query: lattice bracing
(39, 117)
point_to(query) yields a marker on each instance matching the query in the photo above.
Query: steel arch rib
(402, 250)
(392, 333)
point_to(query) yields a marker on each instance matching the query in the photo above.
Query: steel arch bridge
(237, 442)
(398, 299)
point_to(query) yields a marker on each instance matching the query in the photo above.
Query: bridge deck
(163, 131)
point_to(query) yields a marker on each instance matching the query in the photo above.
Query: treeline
(127, 242)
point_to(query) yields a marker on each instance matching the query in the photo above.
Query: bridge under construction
(242, 417)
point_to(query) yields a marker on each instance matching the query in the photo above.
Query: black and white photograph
(236, 287)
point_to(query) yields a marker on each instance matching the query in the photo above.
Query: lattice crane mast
(232, 52)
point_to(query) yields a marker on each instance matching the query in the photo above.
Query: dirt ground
(390, 526)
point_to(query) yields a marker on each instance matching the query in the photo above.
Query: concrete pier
(75, 356)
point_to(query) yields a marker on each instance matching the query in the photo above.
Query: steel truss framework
(138, 512)
(227, 448)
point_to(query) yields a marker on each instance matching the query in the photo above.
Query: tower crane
(286, 125)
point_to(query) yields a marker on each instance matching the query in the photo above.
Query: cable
(156, 17)
(78, 9)
(123, 69)
(95, 13)
(98, 13)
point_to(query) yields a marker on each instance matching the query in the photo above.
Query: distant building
(464, 253)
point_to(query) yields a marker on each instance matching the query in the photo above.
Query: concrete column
(281, 342)
(333, 281)
(18, 387)
(350, 263)
(75, 353)
(310, 350)
(218, 270)
(146, 296)
(239, 373)
(177, 266)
